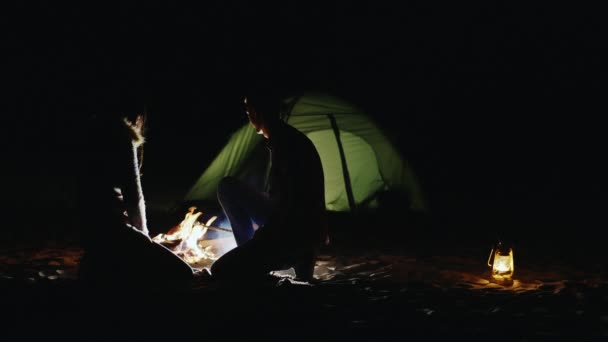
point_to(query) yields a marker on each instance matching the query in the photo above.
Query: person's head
(110, 137)
(263, 111)
(120, 128)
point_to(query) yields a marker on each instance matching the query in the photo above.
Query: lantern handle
(490, 257)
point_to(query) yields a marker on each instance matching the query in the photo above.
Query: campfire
(187, 240)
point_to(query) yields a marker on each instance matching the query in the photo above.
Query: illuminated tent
(359, 162)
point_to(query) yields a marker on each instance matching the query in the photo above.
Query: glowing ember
(190, 233)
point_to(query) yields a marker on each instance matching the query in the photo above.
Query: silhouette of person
(114, 230)
(290, 216)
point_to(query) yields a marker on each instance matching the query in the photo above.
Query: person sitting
(290, 217)
(114, 229)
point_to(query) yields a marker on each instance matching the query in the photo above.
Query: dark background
(496, 106)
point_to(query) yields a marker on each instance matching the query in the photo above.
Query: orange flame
(190, 233)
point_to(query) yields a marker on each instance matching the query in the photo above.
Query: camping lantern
(501, 261)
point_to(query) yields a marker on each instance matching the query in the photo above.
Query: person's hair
(267, 103)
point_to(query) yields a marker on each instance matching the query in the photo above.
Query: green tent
(358, 160)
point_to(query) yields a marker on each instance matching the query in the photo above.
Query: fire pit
(188, 240)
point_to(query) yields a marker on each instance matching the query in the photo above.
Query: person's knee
(221, 268)
(240, 262)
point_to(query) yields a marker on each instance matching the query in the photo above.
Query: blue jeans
(243, 206)
(255, 257)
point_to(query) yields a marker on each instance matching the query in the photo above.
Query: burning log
(219, 229)
(185, 239)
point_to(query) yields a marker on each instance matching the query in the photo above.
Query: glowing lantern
(501, 261)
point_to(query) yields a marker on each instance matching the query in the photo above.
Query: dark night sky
(498, 102)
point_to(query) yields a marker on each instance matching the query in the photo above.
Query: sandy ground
(366, 296)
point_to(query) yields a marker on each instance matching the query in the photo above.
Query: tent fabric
(372, 162)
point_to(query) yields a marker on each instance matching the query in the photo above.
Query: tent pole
(285, 115)
(346, 175)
